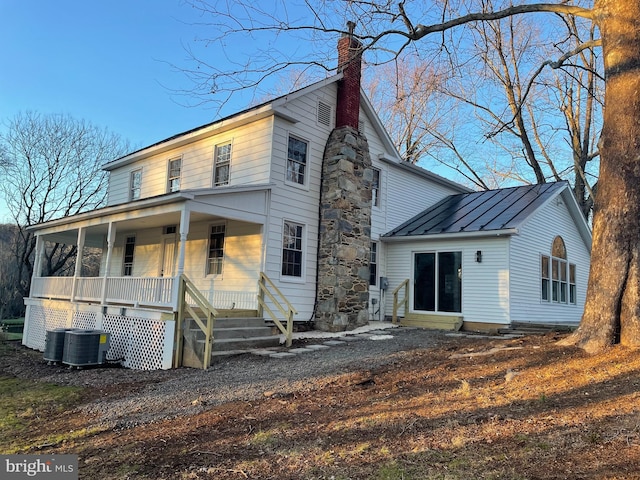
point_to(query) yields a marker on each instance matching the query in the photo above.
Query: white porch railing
(89, 289)
(52, 287)
(150, 291)
(141, 290)
(137, 291)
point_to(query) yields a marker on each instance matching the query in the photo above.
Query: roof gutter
(451, 236)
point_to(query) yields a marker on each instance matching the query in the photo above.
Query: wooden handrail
(206, 325)
(265, 286)
(405, 300)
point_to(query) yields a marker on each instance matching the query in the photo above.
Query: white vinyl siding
(251, 164)
(534, 240)
(406, 195)
(242, 256)
(296, 203)
(485, 285)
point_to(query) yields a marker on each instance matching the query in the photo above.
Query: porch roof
(162, 210)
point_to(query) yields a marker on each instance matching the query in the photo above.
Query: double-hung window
(129, 249)
(297, 160)
(373, 264)
(135, 184)
(375, 188)
(222, 164)
(215, 254)
(175, 167)
(292, 249)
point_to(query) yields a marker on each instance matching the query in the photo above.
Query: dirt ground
(466, 409)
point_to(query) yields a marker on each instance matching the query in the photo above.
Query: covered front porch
(145, 246)
(145, 252)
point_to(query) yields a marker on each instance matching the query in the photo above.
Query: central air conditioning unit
(54, 344)
(83, 348)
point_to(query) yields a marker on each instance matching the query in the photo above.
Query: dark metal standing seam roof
(481, 211)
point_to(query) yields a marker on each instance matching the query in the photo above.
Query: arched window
(558, 277)
(558, 249)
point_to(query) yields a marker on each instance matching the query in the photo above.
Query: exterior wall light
(479, 256)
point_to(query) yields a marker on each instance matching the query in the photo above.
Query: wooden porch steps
(232, 333)
(243, 333)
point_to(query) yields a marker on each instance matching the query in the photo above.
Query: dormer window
(175, 167)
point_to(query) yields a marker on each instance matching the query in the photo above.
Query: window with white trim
(375, 188)
(292, 249)
(437, 281)
(215, 255)
(296, 160)
(127, 259)
(222, 165)
(175, 167)
(558, 276)
(135, 184)
(373, 264)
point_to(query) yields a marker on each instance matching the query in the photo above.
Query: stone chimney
(344, 242)
(350, 64)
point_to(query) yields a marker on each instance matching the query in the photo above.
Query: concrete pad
(381, 337)
(300, 350)
(354, 338)
(262, 353)
(317, 347)
(282, 355)
(334, 343)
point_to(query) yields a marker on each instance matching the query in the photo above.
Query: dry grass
(533, 410)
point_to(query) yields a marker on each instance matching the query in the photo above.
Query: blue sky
(107, 62)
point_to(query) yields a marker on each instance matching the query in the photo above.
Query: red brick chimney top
(350, 64)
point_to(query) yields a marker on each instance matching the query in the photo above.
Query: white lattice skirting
(137, 342)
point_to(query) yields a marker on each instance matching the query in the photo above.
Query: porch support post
(111, 237)
(37, 268)
(184, 232)
(78, 269)
(37, 262)
(185, 217)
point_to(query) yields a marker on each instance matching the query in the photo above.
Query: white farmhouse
(285, 213)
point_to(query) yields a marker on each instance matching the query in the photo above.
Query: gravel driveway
(133, 397)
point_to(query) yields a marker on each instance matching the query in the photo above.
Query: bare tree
(11, 304)
(544, 120)
(52, 167)
(612, 310)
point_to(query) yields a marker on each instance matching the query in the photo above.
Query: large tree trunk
(612, 309)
